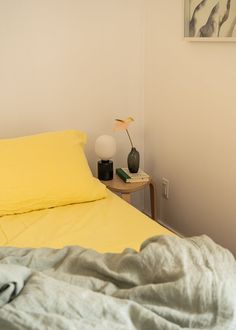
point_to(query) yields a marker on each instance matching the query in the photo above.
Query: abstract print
(212, 18)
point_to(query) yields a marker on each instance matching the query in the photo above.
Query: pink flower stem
(129, 138)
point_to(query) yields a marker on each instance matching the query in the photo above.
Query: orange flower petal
(122, 124)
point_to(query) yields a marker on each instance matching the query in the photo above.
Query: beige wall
(190, 130)
(80, 64)
(72, 64)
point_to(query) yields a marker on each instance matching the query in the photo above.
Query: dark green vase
(133, 160)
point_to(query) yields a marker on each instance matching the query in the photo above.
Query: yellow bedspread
(107, 225)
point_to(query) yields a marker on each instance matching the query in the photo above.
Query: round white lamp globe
(105, 147)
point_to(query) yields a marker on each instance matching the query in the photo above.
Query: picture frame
(210, 20)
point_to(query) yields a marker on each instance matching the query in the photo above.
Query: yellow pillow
(45, 170)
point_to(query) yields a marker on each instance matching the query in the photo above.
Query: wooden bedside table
(125, 189)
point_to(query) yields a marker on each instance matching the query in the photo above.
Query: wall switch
(165, 188)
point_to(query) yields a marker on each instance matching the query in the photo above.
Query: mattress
(108, 224)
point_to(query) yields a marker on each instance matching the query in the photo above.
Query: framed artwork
(210, 20)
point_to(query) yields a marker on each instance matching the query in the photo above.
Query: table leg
(153, 200)
(126, 197)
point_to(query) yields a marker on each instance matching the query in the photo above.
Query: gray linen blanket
(171, 283)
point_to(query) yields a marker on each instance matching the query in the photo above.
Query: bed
(109, 224)
(74, 255)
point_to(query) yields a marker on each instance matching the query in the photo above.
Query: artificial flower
(123, 124)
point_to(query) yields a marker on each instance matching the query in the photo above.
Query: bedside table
(125, 189)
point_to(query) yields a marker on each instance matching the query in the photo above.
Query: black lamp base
(105, 170)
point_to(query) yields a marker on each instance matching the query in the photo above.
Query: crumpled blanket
(171, 283)
(12, 280)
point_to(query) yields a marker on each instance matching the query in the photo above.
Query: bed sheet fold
(107, 225)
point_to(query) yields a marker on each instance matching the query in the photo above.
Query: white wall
(72, 64)
(190, 116)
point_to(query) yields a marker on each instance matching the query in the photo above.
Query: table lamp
(105, 148)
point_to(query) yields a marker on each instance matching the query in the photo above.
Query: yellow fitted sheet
(107, 225)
